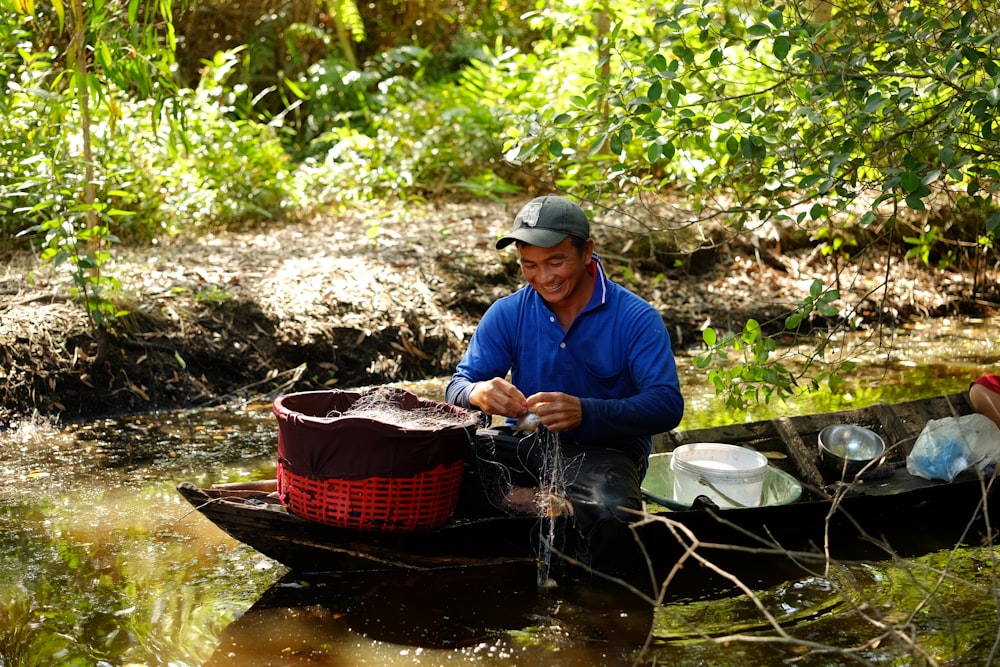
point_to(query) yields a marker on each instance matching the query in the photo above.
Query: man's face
(556, 273)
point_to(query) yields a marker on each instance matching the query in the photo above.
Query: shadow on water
(339, 619)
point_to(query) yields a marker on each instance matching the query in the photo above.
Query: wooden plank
(805, 458)
(899, 439)
(265, 485)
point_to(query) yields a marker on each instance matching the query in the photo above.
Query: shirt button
(562, 345)
(551, 318)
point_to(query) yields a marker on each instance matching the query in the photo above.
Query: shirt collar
(600, 293)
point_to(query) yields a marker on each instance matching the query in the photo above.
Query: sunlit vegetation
(859, 128)
(867, 131)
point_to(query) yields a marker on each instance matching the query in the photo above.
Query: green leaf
(781, 47)
(732, 145)
(684, 53)
(874, 103)
(947, 156)
(709, 336)
(910, 181)
(916, 203)
(667, 150)
(809, 180)
(655, 91)
(616, 144)
(60, 13)
(753, 148)
(993, 222)
(653, 152)
(296, 90)
(597, 145)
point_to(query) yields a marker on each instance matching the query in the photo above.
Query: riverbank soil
(365, 297)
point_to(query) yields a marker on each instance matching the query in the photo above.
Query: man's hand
(499, 397)
(557, 411)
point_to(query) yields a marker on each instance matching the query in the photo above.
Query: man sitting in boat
(589, 360)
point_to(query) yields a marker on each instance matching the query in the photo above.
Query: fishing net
(384, 432)
(397, 407)
(531, 475)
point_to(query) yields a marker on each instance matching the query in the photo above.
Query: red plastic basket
(363, 473)
(387, 504)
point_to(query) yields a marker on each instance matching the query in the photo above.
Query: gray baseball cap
(546, 221)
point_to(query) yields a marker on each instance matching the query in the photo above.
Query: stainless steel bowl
(847, 449)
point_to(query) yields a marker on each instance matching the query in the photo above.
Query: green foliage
(56, 187)
(198, 164)
(32, 152)
(339, 96)
(848, 126)
(753, 380)
(788, 114)
(102, 145)
(216, 167)
(759, 375)
(819, 301)
(873, 117)
(385, 133)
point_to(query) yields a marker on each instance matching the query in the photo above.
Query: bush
(392, 135)
(190, 164)
(213, 168)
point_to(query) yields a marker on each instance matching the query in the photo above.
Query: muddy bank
(365, 297)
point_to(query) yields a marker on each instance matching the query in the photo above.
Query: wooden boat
(885, 514)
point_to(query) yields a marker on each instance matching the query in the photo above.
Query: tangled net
(398, 407)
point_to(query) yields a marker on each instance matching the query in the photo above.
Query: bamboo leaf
(60, 10)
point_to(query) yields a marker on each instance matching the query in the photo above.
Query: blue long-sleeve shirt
(616, 357)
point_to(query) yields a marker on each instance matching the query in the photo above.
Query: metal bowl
(848, 449)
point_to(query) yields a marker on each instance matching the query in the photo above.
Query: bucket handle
(704, 481)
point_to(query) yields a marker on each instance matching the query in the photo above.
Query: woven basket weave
(387, 504)
(364, 474)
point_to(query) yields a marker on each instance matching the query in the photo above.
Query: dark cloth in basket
(312, 444)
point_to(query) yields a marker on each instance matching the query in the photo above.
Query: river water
(102, 562)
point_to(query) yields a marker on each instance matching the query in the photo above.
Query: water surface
(102, 562)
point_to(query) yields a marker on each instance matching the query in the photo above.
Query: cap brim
(543, 238)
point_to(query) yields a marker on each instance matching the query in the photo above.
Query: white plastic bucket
(731, 476)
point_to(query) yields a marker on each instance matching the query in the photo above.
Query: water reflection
(498, 618)
(114, 576)
(102, 563)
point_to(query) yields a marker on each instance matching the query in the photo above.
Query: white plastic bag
(948, 446)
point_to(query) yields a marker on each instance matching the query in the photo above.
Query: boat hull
(894, 514)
